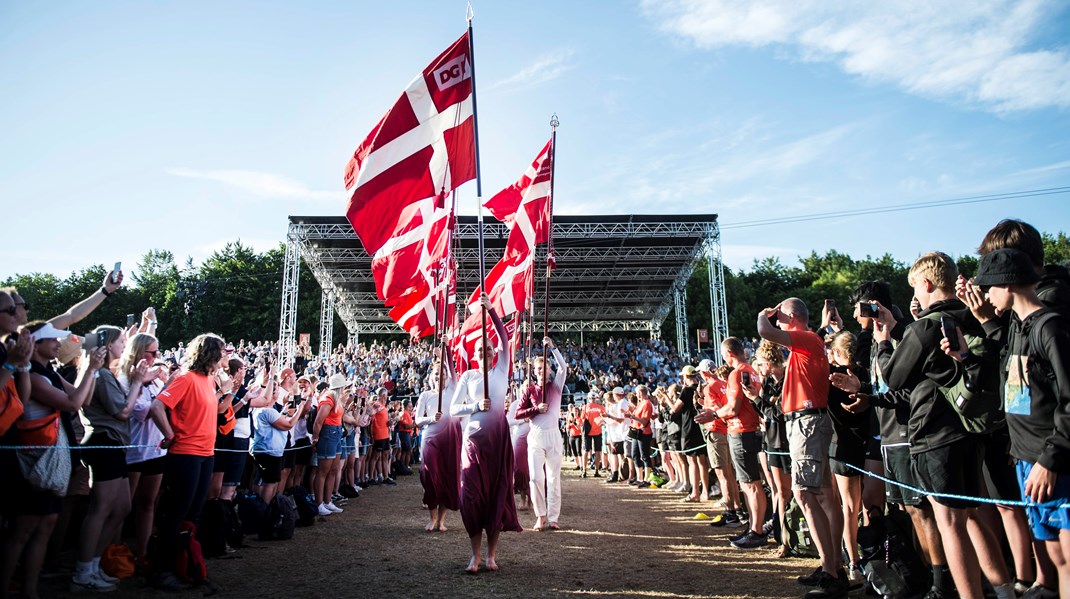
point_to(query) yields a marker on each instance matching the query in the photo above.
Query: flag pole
(447, 273)
(554, 123)
(479, 204)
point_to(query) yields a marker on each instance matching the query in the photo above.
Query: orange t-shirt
(334, 415)
(574, 429)
(806, 378)
(593, 413)
(380, 426)
(194, 411)
(746, 419)
(645, 409)
(405, 422)
(713, 399)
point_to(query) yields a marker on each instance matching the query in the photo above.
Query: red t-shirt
(194, 411)
(713, 399)
(380, 428)
(334, 411)
(645, 409)
(405, 422)
(806, 378)
(593, 413)
(746, 419)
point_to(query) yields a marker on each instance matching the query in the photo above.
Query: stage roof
(615, 272)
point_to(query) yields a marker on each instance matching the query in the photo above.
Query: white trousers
(544, 468)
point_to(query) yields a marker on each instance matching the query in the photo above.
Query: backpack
(1040, 365)
(307, 510)
(220, 527)
(190, 566)
(797, 532)
(889, 560)
(977, 402)
(252, 511)
(281, 519)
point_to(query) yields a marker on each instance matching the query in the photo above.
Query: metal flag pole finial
(469, 13)
(554, 123)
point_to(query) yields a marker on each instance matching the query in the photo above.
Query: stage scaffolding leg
(680, 308)
(291, 271)
(718, 306)
(326, 324)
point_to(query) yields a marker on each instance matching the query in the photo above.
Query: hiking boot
(810, 580)
(90, 583)
(751, 540)
(828, 587)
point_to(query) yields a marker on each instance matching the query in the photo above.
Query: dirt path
(617, 541)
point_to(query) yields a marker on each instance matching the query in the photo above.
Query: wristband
(105, 291)
(152, 323)
(10, 366)
(25, 368)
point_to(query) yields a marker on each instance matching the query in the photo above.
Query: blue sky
(184, 125)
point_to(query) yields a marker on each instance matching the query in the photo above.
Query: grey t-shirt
(108, 400)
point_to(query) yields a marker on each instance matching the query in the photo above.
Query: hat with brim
(705, 365)
(338, 381)
(49, 332)
(1006, 266)
(618, 390)
(688, 370)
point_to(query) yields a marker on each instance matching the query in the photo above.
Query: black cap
(1006, 266)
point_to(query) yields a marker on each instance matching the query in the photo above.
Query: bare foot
(473, 565)
(430, 527)
(492, 565)
(539, 525)
(441, 527)
(554, 526)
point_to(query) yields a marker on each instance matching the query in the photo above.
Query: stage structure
(614, 273)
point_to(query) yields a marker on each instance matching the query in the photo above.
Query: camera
(869, 309)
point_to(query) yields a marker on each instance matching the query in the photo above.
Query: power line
(1032, 193)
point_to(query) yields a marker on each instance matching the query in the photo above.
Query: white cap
(618, 390)
(49, 332)
(705, 366)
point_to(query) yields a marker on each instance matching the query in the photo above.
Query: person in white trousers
(545, 449)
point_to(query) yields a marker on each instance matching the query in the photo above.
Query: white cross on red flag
(525, 205)
(422, 149)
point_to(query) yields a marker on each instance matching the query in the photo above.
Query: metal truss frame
(615, 273)
(326, 322)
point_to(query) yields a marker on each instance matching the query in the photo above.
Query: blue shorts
(405, 441)
(329, 444)
(1047, 519)
(349, 443)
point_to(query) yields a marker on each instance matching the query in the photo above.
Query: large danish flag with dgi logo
(422, 149)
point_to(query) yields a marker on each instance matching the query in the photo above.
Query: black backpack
(252, 510)
(305, 501)
(281, 519)
(219, 527)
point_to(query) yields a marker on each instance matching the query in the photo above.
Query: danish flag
(417, 311)
(525, 205)
(422, 149)
(507, 284)
(464, 350)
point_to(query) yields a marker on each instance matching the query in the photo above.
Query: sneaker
(389, 481)
(612, 478)
(1039, 591)
(101, 574)
(597, 474)
(584, 475)
(686, 488)
(167, 582)
(810, 580)
(751, 540)
(337, 497)
(828, 587)
(732, 520)
(855, 577)
(324, 510)
(334, 508)
(768, 527)
(715, 490)
(718, 521)
(739, 536)
(633, 483)
(358, 489)
(91, 584)
(642, 485)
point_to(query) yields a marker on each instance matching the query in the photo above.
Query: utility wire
(1032, 193)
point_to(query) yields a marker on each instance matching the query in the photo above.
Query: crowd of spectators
(807, 420)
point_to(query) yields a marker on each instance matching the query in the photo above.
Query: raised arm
(85, 307)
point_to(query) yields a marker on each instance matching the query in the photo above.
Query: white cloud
(546, 68)
(264, 185)
(978, 52)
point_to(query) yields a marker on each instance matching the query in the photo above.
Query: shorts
(289, 458)
(778, 458)
(364, 444)
(873, 448)
(745, 448)
(381, 445)
(405, 440)
(349, 444)
(232, 463)
(809, 438)
(302, 452)
(952, 469)
(270, 467)
(592, 443)
(106, 463)
(20, 497)
(999, 470)
(151, 467)
(1048, 518)
(717, 450)
(848, 452)
(897, 468)
(616, 448)
(329, 444)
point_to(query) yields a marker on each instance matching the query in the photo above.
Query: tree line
(236, 291)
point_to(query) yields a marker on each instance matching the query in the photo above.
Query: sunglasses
(10, 310)
(154, 352)
(24, 305)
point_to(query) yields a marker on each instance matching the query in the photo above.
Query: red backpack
(190, 566)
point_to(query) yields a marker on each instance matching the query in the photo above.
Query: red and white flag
(416, 311)
(470, 334)
(405, 262)
(422, 149)
(525, 205)
(507, 283)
